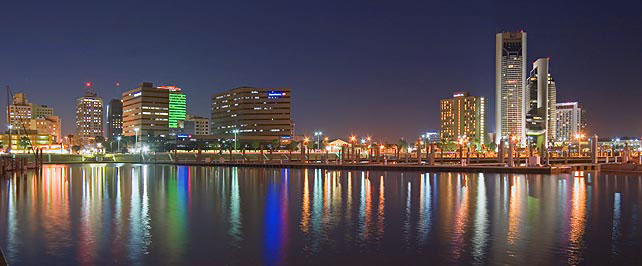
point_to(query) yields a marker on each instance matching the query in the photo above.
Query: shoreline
(367, 167)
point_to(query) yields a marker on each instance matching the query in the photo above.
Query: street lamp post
(462, 144)
(10, 140)
(353, 141)
(136, 134)
(579, 138)
(318, 135)
(236, 131)
(118, 138)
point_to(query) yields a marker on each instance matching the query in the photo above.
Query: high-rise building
(49, 125)
(24, 116)
(145, 111)
(19, 113)
(463, 115)
(541, 97)
(115, 118)
(510, 85)
(257, 112)
(41, 111)
(89, 116)
(570, 120)
(201, 124)
(177, 105)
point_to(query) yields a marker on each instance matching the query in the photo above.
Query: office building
(463, 116)
(41, 111)
(263, 113)
(201, 124)
(19, 113)
(541, 97)
(49, 125)
(146, 111)
(114, 118)
(510, 85)
(12, 143)
(177, 105)
(89, 116)
(570, 120)
(431, 136)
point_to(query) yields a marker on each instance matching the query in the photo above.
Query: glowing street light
(236, 131)
(318, 135)
(136, 134)
(579, 137)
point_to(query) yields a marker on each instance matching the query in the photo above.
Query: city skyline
(356, 97)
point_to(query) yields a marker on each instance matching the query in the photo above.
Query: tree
(292, 147)
(24, 143)
(275, 144)
(493, 146)
(451, 146)
(402, 145)
(255, 144)
(99, 139)
(310, 145)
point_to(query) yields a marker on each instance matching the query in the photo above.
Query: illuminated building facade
(463, 115)
(114, 118)
(541, 98)
(39, 141)
(19, 113)
(570, 120)
(201, 124)
(177, 105)
(49, 125)
(41, 111)
(146, 111)
(510, 85)
(259, 112)
(89, 116)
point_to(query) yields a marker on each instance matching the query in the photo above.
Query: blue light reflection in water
(158, 214)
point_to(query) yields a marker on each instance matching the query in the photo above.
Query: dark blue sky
(363, 67)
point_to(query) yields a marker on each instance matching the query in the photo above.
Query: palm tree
(292, 147)
(24, 142)
(401, 145)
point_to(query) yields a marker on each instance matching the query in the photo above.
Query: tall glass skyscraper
(542, 100)
(510, 86)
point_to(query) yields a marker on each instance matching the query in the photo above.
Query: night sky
(362, 67)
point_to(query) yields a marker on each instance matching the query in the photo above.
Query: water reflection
(140, 214)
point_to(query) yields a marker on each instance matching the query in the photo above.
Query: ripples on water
(132, 214)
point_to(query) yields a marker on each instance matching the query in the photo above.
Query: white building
(569, 121)
(89, 116)
(510, 85)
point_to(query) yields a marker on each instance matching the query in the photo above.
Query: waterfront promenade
(403, 162)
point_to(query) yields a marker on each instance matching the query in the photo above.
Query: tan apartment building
(252, 112)
(463, 115)
(146, 111)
